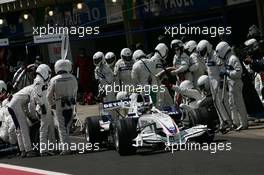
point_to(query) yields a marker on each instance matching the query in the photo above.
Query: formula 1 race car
(143, 126)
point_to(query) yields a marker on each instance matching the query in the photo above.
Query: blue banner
(94, 14)
(13, 26)
(151, 8)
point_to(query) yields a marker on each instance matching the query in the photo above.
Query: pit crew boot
(23, 154)
(48, 153)
(31, 154)
(63, 153)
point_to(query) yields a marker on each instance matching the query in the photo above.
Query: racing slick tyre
(92, 130)
(207, 117)
(125, 132)
(207, 137)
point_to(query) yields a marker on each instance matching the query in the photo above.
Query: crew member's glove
(167, 84)
(160, 75)
(248, 60)
(53, 106)
(223, 73)
(229, 68)
(43, 109)
(10, 97)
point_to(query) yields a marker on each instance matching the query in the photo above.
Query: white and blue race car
(142, 126)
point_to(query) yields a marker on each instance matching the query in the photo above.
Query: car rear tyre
(205, 117)
(92, 130)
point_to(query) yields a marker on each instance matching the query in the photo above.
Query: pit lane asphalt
(246, 157)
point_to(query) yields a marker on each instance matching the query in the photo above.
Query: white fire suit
(16, 108)
(163, 96)
(235, 85)
(47, 128)
(197, 67)
(7, 128)
(62, 94)
(141, 74)
(122, 72)
(257, 81)
(191, 96)
(105, 76)
(214, 65)
(258, 85)
(112, 67)
(191, 99)
(182, 63)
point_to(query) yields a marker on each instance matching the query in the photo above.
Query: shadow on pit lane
(92, 151)
(147, 152)
(11, 156)
(219, 141)
(150, 152)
